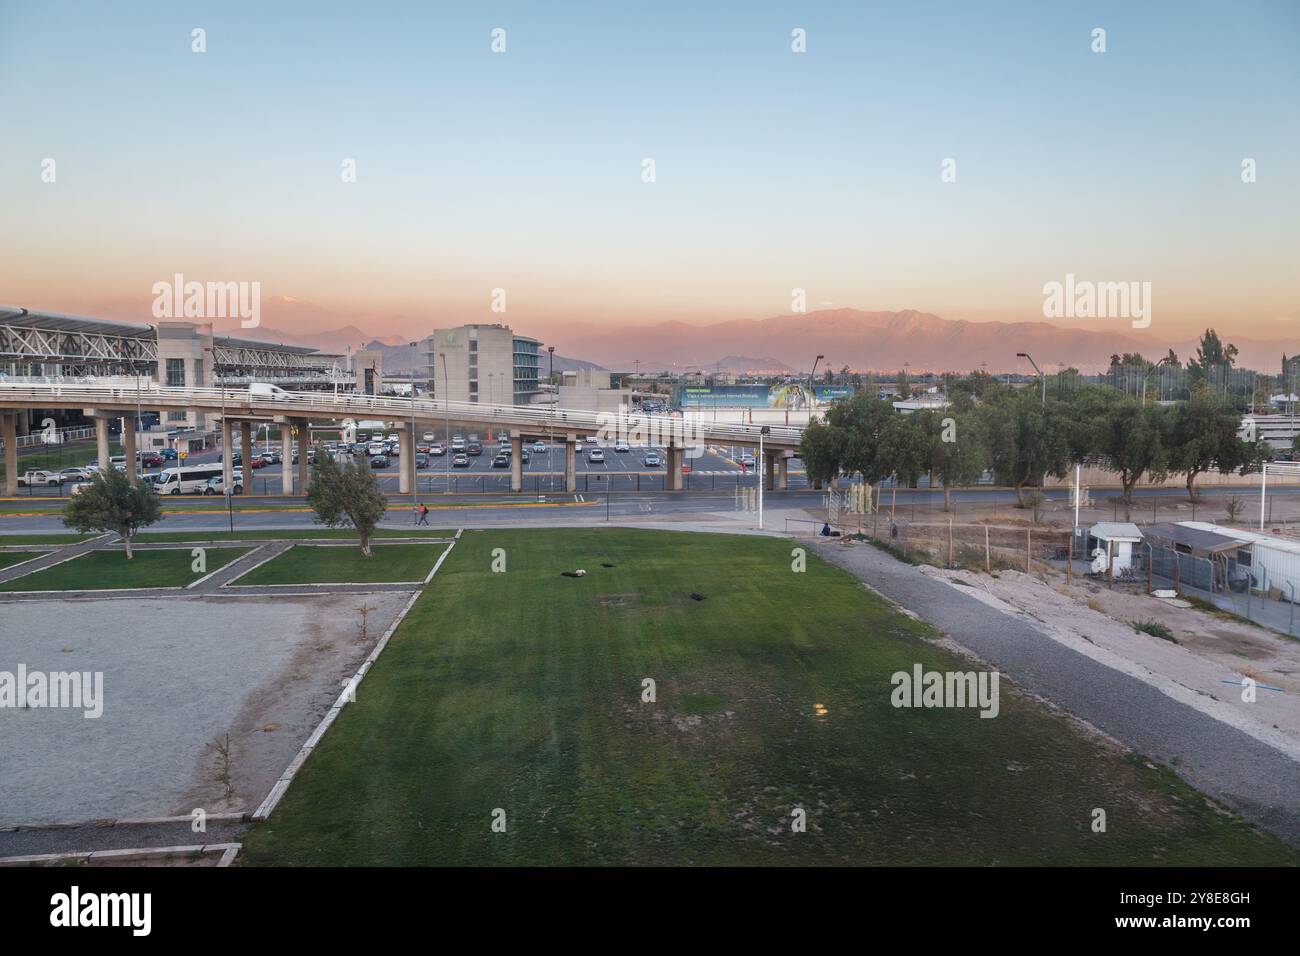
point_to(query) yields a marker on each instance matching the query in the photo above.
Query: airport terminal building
(53, 346)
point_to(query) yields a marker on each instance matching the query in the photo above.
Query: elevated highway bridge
(298, 410)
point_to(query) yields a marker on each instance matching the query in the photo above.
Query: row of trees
(343, 496)
(1020, 439)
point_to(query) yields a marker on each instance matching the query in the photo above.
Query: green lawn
(330, 534)
(104, 570)
(522, 691)
(10, 558)
(324, 564)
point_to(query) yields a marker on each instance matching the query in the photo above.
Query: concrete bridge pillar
(406, 462)
(675, 454)
(516, 463)
(129, 449)
(570, 463)
(783, 471)
(9, 431)
(304, 435)
(246, 452)
(286, 459)
(769, 470)
(101, 442)
(227, 471)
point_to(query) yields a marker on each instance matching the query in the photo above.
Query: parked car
(421, 460)
(747, 461)
(438, 448)
(652, 460)
(622, 446)
(273, 458)
(539, 446)
(429, 437)
(169, 454)
(77, 474)
(460, 461)
(217, 486)
(40, 479)
(379, 461)
(501, 461)
(150, 459)
(596, 455)
(524, 457)
(475, 449)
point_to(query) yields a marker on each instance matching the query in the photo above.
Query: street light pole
(762, 472)
(446, 407)
(1025, 355)
(812, 379)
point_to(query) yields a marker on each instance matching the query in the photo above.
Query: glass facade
(527, 354)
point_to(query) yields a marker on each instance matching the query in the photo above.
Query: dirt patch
(619, 600)
(278, 715)
(1204, 668)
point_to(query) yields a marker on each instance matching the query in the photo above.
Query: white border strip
(282, 785)
(228, 853)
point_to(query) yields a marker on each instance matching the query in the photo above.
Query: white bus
(185, 480)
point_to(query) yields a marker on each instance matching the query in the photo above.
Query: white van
(268, 392)
(186, 480)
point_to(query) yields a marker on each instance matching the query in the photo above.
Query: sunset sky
(775, 170)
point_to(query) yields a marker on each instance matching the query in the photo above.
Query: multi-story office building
(482, 363)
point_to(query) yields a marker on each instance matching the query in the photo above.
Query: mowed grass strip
(522, 691)
(344, 564)
(288, 534)
(10, 558)
(110, 570)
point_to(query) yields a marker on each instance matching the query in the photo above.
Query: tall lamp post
(446, 407)
(415, 475)
(812, 380)
(762, 471)
(1025, 355)
(555, 402)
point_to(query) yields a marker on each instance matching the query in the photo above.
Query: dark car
(379, 461)
(501, 461)
(169, 454)
(421, 460)
(151, 459)
(524, 457)
(475, 448)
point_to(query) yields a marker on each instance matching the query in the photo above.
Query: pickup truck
(33, 479)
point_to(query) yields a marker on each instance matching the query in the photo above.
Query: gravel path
(1254, 779)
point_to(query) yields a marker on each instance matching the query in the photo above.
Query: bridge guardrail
(397, 409)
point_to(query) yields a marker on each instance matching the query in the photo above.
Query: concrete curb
(241, 816)
(281, 786)
(228, 853)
